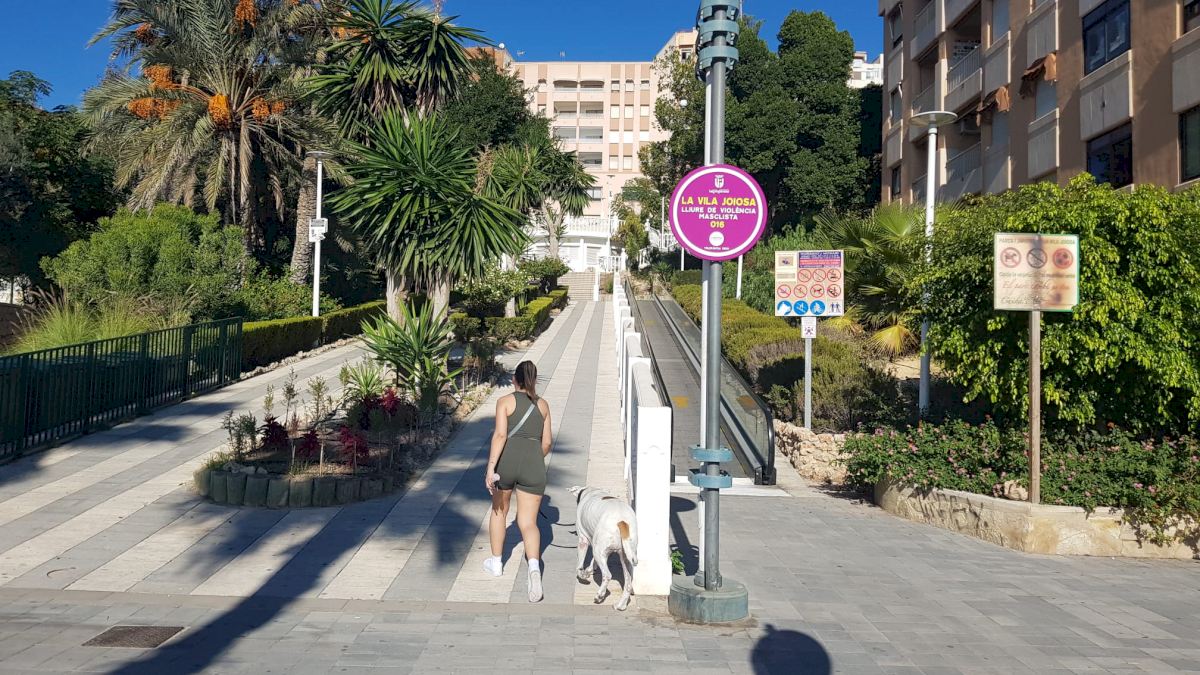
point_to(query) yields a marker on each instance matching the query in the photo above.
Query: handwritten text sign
(1036, 272)
(718, 212)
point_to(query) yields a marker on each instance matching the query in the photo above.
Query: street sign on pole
(718, 212)
(317, 227)
(1035, 273)
(810, 283)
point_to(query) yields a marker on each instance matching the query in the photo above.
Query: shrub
(530, 320)
(545, 270)
(1156, 481)
(492, 291)
(265, 342)
(1128, 354)
(346, 322)
(169, 254)
(687, 278)
(263, 298)
(465, 328)
(417, 351)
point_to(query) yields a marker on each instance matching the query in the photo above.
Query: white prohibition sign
(808, 327)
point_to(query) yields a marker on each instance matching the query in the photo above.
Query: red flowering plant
(273, 435)
(354, 445)
(309, 447)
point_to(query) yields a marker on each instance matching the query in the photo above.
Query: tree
(413, 203)
(51, 193)
(214, 113)
(791, 121)
(491, 109)
(389, 58)
(639, 200)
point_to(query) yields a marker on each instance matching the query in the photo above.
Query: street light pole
(320, 156)
(931, 120)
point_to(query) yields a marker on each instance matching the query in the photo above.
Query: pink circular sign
(718, 212)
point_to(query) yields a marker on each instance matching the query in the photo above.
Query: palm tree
(389, 57)
(413, 203)
(208, 107)
(541, 180)
(882, 250)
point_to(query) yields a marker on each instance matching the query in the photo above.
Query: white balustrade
(646, 424)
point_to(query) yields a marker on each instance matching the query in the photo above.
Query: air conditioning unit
(967, 126)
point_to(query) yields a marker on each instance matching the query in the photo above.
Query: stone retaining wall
(1032, 528)
(816, 456)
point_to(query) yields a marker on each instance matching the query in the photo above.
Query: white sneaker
(493, 566)
(535, 585)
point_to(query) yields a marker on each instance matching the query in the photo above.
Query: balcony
(923, 102)
(592, 114)
(965, 80)
(1185, 63)
(591, 135)
(1106, 97)
(925, 29)
(565, 133)
(997, 170)
(997, 64)
(886, 6)
(565, 115)
(893, 149)
(963, 176)
(1041, 30)
(566, 86)
(1043, 145)
(592, 91)
(895, 68)
(955, 9)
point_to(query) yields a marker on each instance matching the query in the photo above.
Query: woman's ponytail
(526, 378)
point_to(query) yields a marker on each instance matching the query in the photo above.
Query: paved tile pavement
(102, 531)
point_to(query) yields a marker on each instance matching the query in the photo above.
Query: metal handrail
(639, 320)
(762, 463)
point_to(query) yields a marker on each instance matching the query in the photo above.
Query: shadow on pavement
(787, 651)
(689, 551)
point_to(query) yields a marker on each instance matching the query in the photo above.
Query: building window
(897, 105)
(628, 85)
(645, 111)
(614, 163)
(685, 55)
(1046, 100)
(614, 137)
(541, 85)
(1110, 157)
(541, 108)
(896, 183)
(1189, 143)
(646, 83)
(999, 130)
(627, 163)
(644, 136)
(999, 19)
(614, 112)
(615, 85)
(595, 194)
(1191, 15)
(895, 28)
(1105, 34)
(628, 112)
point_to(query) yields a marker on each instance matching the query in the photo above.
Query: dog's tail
(628, 541)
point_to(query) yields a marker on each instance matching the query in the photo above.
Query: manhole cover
(136, 637)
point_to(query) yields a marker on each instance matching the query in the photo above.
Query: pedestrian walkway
(105, 531)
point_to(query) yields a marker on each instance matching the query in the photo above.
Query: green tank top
(531, 431)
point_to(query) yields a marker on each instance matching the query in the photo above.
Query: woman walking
(518, 462)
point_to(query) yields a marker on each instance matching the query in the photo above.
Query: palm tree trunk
(396, 293)
(439, 295)
(306, 208)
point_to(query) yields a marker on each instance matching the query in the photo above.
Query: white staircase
(579, 284)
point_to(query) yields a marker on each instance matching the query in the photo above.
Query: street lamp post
(316, 230)
(931, 120)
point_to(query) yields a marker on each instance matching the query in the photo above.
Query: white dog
(609, 526)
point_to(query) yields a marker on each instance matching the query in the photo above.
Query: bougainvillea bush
(1156, 481)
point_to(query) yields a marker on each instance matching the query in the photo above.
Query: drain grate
(136, 637)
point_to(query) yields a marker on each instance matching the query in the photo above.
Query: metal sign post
(1035, 273)
(317, 227)
(808, 329)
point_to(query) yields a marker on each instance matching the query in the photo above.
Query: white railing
(592, 114)
(964, 175)
(565, 115)
(963, 164)
(646, 423)
(965, 68)
(600, 226)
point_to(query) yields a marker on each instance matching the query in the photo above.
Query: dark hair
(526, 378)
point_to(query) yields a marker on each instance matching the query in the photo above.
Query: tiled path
(102, 532)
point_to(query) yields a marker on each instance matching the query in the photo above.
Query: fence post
(222, 349)
(187, 361)
(90, 402)
(144, 372)
(22, 422)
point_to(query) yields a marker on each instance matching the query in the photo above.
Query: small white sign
(321, 224)
(315, 234)
(808, 327)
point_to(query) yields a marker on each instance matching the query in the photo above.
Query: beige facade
(604, 112)
(1044, 90)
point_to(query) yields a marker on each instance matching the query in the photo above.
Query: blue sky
(50, 37)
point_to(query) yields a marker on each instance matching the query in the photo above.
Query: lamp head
(932, 118)
(318, 154)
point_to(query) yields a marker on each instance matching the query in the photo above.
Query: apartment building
(1044, 90)
(604, 111)
(865, 73)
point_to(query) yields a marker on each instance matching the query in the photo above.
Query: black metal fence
(56, 393)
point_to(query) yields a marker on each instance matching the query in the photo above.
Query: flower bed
(1156, 483)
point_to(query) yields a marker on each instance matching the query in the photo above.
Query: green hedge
(764, 348)
(687, 278)
(265, 342)
(343, 323)
(529, 319)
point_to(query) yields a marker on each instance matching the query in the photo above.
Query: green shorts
(523, 469)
